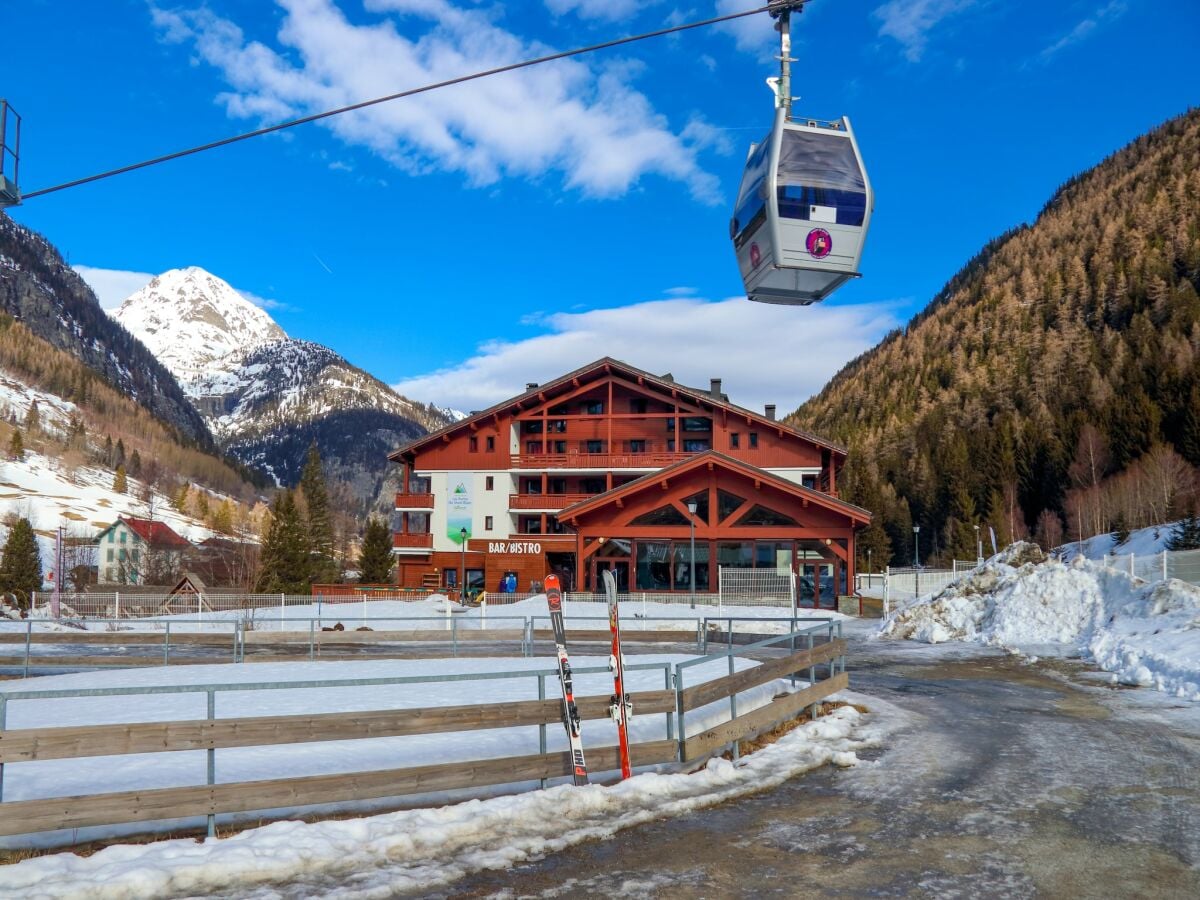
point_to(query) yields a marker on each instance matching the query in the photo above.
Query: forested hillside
(1053, 386)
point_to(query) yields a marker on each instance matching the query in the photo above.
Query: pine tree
(108, 451)
(135, 465)
(285, 554)
(222, 520)
(119, 455)
(33, 419)
(201, 505)
(320, 523)
(16, 446)
(375, 560)
(21, 564)
(1186, 534)
(180, 499)
(1120, 530)
(120, 482)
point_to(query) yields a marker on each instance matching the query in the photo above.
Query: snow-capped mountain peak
(190, 318)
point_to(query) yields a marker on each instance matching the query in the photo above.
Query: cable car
(10, 149)
(804, 205)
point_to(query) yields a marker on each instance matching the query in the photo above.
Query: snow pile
(421, 849)
(1145, 634)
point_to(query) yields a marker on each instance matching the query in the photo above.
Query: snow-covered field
(1145, 634)
(422, 849)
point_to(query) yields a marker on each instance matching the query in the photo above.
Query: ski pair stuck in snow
(619, 706)
(570, 712)
(620, 709)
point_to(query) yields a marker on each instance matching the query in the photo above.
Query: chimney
(714, 388)
(530, 385)
(769, 409)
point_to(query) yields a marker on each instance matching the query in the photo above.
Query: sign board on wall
(458, 507)
(515, 547)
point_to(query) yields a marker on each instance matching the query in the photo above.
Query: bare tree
(1049, 532)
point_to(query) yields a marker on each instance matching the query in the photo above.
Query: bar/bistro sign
(514, 547)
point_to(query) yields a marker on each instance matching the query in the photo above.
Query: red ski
(619, 706)
(570, 713)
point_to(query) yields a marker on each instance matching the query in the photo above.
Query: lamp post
(691, 508)
(462, 585)
(978, 547)
(916, 561)
(869, 569)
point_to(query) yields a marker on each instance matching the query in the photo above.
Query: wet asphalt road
(1008, 779)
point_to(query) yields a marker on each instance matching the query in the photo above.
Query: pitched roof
(665, 382)
(159, 535)
(728, 462)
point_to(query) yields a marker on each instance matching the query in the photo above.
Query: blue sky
(463, 243)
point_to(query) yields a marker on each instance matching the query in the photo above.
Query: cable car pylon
(10, 155)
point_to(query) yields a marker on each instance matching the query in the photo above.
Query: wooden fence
(211, 734)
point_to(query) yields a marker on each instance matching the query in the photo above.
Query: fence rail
(210, 734)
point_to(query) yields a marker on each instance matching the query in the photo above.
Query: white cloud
(112, 286)
(1084, 29)
(608, 10)
(764, 353)
(580, 118)
(911, 21)
(751, 34)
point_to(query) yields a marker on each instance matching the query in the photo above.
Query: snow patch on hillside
(1145, 634)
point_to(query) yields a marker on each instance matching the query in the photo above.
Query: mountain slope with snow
(266, 396)
(192, 320)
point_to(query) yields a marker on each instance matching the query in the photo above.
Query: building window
(489, 482)
(532, 427)
(135, 554)
(638, 446)
(695, 446)
(533, 485)
(473, 444)
(558, 485)
(533, 446)
(560, 446)
(670, 424)
(637, 405)
(593, 407)
(809, 481)
(110, 554)
(595, 446)
(735, 440)
(754, 440)
(108, 576)
(531, 525)
(122, 537)
(557, 425)
(592, 486)
(670, 445)
(110, 537)
(121, 555)
(491, 443)
(697, 423)
(487, 523)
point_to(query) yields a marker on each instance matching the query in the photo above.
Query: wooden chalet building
(595, 470)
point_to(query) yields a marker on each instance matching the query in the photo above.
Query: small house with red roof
(139, 551)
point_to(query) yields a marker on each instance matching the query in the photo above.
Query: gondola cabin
(802, 212)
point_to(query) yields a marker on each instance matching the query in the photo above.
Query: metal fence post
(1131, 556)
(679, 710)
(311, 635)
(3, 717)
(117, 603)
(167, 643)
(667, 685)
(212, 761)
(28, 641)
(1164, 565)
(812, 676)
(454, 634)
(542, 728)
(733, 708)
(887, 577)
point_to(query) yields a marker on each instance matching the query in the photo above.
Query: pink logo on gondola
(819, 243)
(755, 255)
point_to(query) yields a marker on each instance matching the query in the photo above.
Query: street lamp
(869, 569)
(462, 585)
(691, 508)
(978, 547)
(916, 546)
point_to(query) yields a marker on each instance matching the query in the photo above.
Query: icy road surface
(1011, 779)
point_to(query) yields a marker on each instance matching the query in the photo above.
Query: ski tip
(552, 584)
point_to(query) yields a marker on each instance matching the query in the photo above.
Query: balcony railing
(597, 460)
(414, 501)
(412, 541)
(545, 501)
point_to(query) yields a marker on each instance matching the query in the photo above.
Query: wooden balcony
(545, 501)
(414, 501)
(603, 461)
(412, 541)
